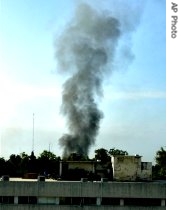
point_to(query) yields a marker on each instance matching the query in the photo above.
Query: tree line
(47, 163)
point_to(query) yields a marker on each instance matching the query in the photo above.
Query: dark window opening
(7, 199)
(76, 201)
(142, 202)
(65, 201)
(144, 166)
(110, 201)
(89, 201)
(23, 200)
(27, 200)
(32, 200)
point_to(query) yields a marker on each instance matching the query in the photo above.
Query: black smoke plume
(85, 49)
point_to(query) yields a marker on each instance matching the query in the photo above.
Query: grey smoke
(85, 50)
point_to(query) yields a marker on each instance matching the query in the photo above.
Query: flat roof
(19, 179)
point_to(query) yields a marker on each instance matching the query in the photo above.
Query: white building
(130, 168)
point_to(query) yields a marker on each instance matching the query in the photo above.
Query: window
(27, 200)
(89, 201)
(142, 202)
(77, 201)
(144, 166)
(23, 200)
(7, 199)
(65, 201)
(46, 200)
(110, 201)
(32, 200)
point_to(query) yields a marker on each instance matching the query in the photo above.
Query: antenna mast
(33, 135)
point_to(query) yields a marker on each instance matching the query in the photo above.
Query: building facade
(93, 170)
(121, 168)
(75, 195)
(131, 168)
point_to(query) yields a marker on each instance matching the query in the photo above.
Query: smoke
(85, 49)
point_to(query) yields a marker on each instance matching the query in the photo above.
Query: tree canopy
(114, 151)
(47, 163)
(102, 155)
(159, 170)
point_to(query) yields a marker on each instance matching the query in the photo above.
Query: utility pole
(33, 135)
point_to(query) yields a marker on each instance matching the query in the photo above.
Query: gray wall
(84, 189)
(50, 207)
(59, 189)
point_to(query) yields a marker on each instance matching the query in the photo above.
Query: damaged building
(121, 168)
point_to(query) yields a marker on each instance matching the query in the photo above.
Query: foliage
(47, 163)
(20, 165)
(3, 167)
(102, 155)
(114, 151)
(76, 157)
(161, 157)
(47, 155)
(159, 170)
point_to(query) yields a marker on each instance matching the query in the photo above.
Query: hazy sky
(133, 102)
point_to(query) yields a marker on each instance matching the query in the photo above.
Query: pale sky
(134, 101)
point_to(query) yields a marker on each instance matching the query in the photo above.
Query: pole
(33, 135)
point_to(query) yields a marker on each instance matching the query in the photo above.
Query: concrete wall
(83, 189)
(86, 165)
(50, 207)
(130, 168)
(126, 168)
(97, 168)
(48, 194)
(146, 171)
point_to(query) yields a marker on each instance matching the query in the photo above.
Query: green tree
(47, 155)
(3, 168)
(24, 163)
(48, 164)
(33, 164)
(102, 155)
(76, 157)
(114, 151)
(159, 169)
(14, 165)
